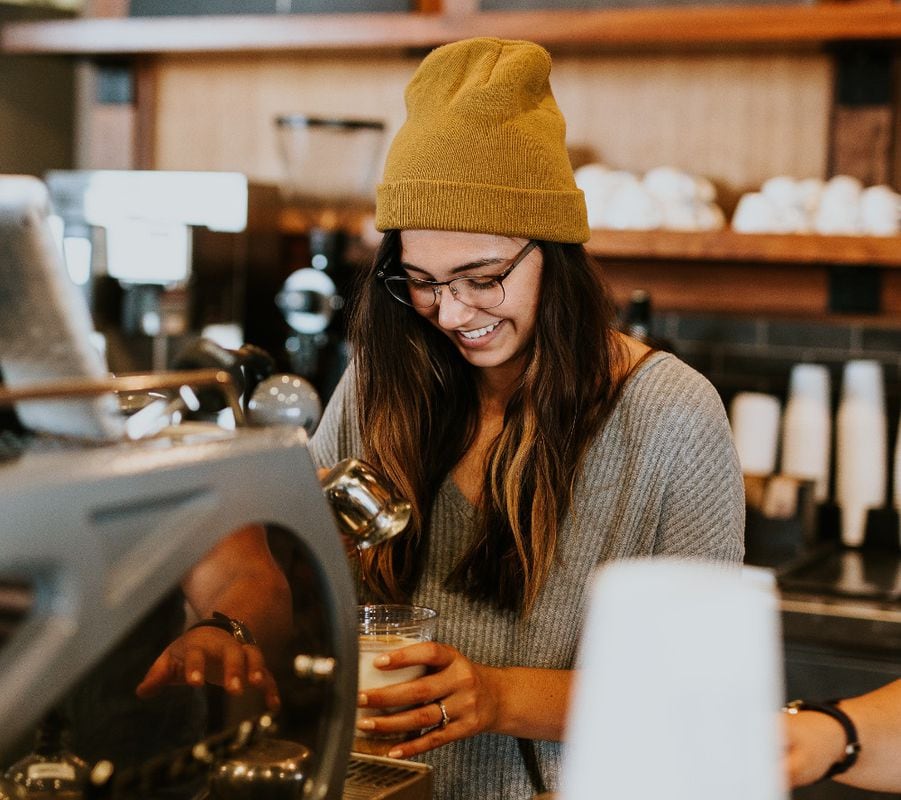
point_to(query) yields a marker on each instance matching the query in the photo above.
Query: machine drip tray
(380, 778)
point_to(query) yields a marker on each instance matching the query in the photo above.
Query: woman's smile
(478, 337)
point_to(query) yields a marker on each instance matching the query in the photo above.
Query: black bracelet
(852, 743)
(230, 625)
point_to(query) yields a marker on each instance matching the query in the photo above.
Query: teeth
(479, 332)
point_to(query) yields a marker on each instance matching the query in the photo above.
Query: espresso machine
(99, 525)
(330, 166)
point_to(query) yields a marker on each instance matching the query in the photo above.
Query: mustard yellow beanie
(483, 148)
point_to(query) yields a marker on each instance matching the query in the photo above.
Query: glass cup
(383, 628)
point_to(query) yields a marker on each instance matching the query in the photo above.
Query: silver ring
(445, 719)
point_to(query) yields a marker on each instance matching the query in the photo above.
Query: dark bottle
(637, 321)
(50, 770)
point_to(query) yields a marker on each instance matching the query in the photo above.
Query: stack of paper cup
(807, 427)
(754, 418)
(861, 448)
(679, 686)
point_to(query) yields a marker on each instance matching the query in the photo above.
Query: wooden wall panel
(737, 118)
(750, 289)
(800, 290)
(219, 112)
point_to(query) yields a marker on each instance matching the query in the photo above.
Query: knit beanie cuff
(543, 214)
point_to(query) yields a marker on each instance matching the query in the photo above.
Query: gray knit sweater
(661, 478)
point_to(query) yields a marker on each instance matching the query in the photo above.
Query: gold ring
(444, 717)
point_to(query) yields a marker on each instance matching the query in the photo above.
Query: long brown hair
(418, 405)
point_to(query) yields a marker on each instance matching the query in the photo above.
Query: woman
(534, 441)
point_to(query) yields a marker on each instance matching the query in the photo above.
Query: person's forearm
(877, 717)
(263, 603)
(533, 703)
(240, 578)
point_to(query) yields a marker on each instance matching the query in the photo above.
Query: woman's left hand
(470, 694)
(814, 742)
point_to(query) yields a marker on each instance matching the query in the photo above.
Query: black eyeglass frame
(436, 285)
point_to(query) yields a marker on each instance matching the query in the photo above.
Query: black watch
(852, 743)
(230, 625)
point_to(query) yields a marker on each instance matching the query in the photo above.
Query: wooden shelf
(660, 246)
(270, 213)
(729, 246)
(587, 29)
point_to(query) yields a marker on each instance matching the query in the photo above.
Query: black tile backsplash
(757, 353)
(887, 339)
(808, 334)
(718, 329)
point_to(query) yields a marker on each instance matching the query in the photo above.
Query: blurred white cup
(595, 182)
(632, 207)
(807, 427)
(861, 447)
(879, 211)
(710, 217)
(839, 206)
(809, 192)
(674, 654)
(754, 418)
(782, 190)
(755, 213)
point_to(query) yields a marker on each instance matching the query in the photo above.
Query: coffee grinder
(329, 175)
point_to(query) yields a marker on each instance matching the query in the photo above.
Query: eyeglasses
(475, 291)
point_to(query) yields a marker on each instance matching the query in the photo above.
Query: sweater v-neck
(460, 503)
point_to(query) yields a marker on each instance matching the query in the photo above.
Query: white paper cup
(675, 655)
(807, 427)
(754, 418)
(861, 448)
(382, 629)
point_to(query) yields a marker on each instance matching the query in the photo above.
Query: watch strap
(852, 742)
(235, 627)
